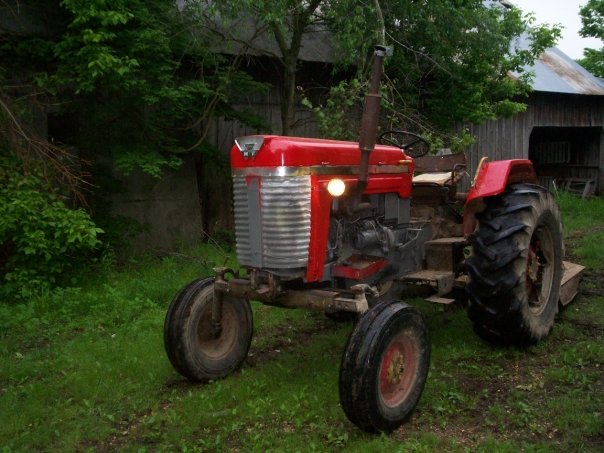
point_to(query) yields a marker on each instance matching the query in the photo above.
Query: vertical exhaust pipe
(370, 119)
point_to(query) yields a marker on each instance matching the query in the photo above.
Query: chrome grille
(242, 220)
(272, 221)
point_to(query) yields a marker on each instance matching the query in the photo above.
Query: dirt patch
(285, 338)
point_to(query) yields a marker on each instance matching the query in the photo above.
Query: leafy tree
(451, 63)
(592, 18)
(452, 60)
(286, 21)
(129, 80)
(133, 76)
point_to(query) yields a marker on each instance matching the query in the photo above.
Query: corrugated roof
(556, 72)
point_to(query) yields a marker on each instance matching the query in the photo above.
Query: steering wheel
(412, 144)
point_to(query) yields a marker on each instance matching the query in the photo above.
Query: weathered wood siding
(509, 138)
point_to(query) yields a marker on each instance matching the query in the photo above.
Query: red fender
(491, 179)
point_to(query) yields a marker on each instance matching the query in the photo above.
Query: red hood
(302, 152)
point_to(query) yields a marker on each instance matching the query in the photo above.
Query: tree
(592, 18)
(125, 80)
(452, 60)
(286, 21)
(130, 73)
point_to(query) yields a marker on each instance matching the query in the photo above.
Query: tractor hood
(280, 151)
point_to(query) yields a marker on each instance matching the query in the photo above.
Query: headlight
(336, 187)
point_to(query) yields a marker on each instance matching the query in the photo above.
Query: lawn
(85, 370)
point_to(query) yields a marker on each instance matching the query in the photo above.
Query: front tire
(384, 367)
(516, 266)
(192, 349)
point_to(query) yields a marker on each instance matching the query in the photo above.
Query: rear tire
(516, 266)
(192, 350)
(384, 367)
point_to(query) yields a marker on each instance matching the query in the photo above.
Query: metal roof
(556, 72)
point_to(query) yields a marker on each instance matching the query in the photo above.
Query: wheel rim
(219, 347)
(539, 270)
(398, 370)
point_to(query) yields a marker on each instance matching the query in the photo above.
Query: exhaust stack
(371, 116)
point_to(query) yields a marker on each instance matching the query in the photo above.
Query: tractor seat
(440, 178)
(438, 165)
(436, 177)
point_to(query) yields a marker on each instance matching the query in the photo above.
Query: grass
(84, 370)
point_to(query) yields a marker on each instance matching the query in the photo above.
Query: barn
(560, 131)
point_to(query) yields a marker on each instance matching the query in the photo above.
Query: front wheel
(193, 349)
(384, 367)
(515, 268)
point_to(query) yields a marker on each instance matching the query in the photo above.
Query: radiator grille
(272, 221)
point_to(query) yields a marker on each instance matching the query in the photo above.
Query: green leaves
(451, 62)
(40, 235)
(592, 17)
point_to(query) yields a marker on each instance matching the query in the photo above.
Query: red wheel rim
(398, 369)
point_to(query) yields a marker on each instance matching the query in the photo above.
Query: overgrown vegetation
(84, 370)
(451, 63)
(43, 238)
(87, 88)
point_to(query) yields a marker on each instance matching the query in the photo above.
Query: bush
(41, 238)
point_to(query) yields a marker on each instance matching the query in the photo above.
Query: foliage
(452, 60)
(286, 20)
(132, 83)
(44, 236)
(41, 238)
(334, 117)
(592, 18)
(138, 77)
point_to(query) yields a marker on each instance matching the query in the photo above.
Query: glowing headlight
(336, 187)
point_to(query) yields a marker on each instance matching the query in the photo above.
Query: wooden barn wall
(222, 132)
(508, 138)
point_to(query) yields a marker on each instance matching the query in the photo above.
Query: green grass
(584, 227)
(85, 370)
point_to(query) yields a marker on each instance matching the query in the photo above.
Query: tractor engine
(300, 214)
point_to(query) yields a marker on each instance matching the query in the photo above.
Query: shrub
(41, 238)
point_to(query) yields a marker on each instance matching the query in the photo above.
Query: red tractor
(347, 227)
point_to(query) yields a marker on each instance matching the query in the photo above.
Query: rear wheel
(384, 367)
(193, 349)
(516, 266)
